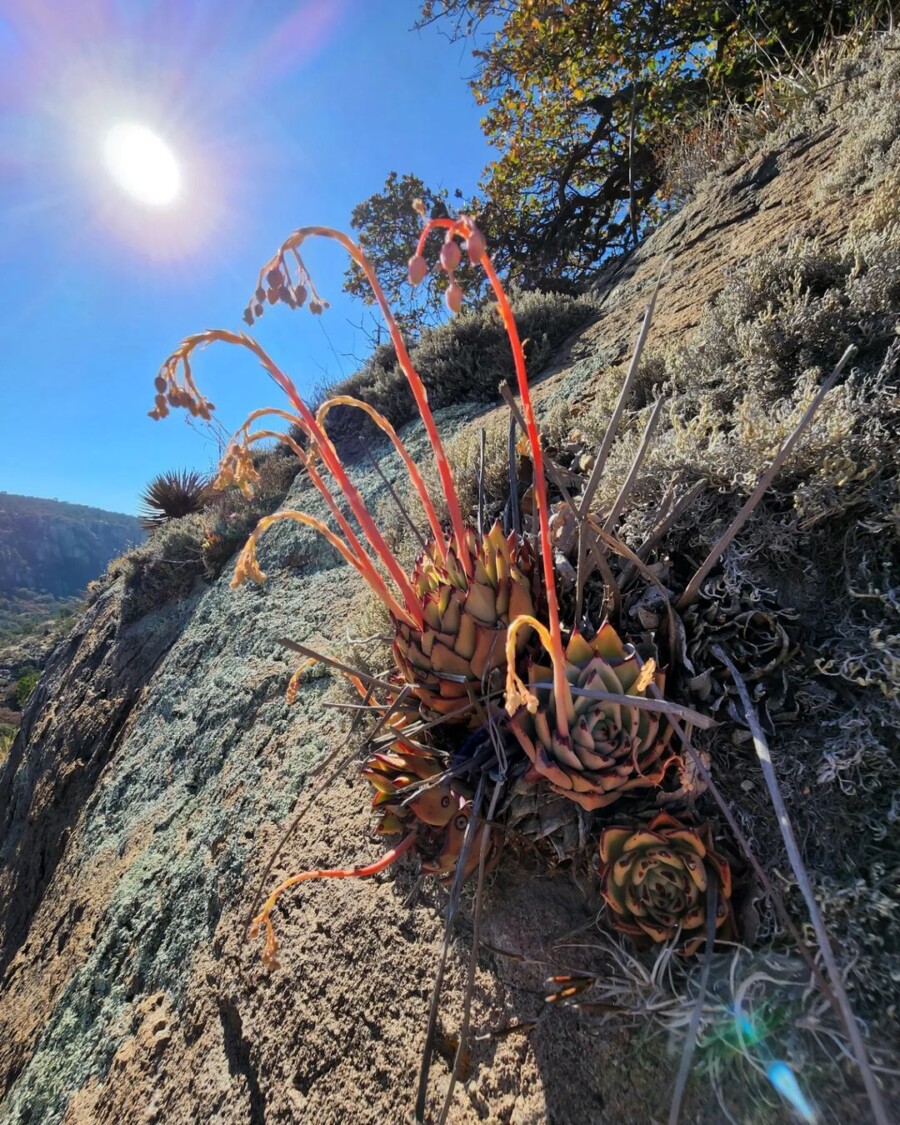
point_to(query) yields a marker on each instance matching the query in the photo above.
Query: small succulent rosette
(412, 793)
(611, 746)
(656, 878)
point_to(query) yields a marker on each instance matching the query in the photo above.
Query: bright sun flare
(142, 164)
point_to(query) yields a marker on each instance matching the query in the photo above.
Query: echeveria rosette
(605, 748)
(655, 880)
(465, 621)
(411, 796)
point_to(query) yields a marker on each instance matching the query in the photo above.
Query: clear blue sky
(282, 113)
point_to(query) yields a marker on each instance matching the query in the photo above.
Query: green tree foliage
(25, 685)
(577, 92)
(388, 229)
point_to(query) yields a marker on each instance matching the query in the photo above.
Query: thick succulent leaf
(435, 806)
(465, 642)
(578, 651)
(608, 644)
(445, 661)
(481, 604)
(612, 842)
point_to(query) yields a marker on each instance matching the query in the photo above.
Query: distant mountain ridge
(52, 547)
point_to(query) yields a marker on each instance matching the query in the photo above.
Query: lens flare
(142, 164)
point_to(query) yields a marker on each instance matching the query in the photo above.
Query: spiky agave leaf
(172, 495)
(655, 879)
(601, 747)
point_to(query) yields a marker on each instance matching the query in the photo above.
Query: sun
(142, 164)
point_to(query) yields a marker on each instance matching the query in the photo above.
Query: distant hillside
(49, 547)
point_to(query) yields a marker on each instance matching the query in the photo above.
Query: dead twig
(481, 441)
(514, 521)
(720, 546)
(473, 956)
(740, 837)
(798, 867)
(663, 526)
(611, 430)
(452, 906)
(311, 654)
(628, 484)
(661, 706)
(690, 1042)
(393, 492)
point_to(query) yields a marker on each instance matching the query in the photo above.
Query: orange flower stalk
(451, 614)
(465, 228)
(185, 393)
(364, 871)
(277, 264)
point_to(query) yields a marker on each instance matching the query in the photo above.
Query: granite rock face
(158, 766)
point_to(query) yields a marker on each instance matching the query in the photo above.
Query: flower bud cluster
(450, 259)
(237, 468)
(278, 287)
(169, 393)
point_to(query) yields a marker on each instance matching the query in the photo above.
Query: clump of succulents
(465, 620)
(413, 790)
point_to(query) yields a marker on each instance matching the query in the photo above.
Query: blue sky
(282, 114)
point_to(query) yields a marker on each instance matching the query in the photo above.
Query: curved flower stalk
(263, 919)
(465, 228)
(655, 881)
(616, 742)
(449, 616)
(413, 795)
(564, 750)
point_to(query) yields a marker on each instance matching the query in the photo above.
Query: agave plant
(600, 736)
(172, 495)
(656, 881)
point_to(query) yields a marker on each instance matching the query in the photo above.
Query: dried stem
(449, 917)
(720, 546)
(401, 507)
(690, 1041)
(350, 673)
(515, 522)
(798, 867)
(628, 484)
(662, 706)
(612, 428)
(473, 955)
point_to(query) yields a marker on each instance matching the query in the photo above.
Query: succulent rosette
(606, 744)
(655, 880)
(412, 795)
(462, 639)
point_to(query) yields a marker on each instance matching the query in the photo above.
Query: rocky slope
(158, 766)
(56, 548)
